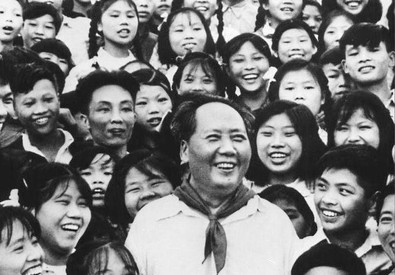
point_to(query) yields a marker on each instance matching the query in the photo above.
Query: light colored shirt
(240, 17)
(168, 237)
(390, 105)
(103, 60)
(74, 32)
(63, 156)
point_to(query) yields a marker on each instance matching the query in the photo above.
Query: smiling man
(212, 224)
(369, 56)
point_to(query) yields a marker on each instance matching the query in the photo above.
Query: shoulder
(162, 208)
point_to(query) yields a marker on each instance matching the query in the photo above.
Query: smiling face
(63, 219)
(98, 175)
(358, 130)
(10, 20)
(367, 66)
(278, 145)
(37, 29)
(141, 189)
(152, 104)
(352, 6)
(281, 10)
(340, 201)
(38, 110)
(247, 68)
(301, 87)
(119, 24)
(187, 34)
(206, 7)
(312, 17)
(111, 116)
(339, 83)
(295, 43)
(218, 152)
(23, 255)
(145, 9)
(335, 31)
(195, 80)
(386, 226)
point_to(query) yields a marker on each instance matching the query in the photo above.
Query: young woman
(184, 31)
(246, 59)
(138, 179)
(10, 22)
(116, 21)
(332, 29)
(153, 104)
(199, 73)
(60, 200)
(361, 118)
(294, 39)
(304, 83)
(312, 15)
(286, 147)
(20, 252)
(272, 12)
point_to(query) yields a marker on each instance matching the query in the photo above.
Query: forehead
(295, 32)
(12, 4)
(17, 229)
(112, 94)
(388, 203)
(185, 18)
(279, 120)
(121, 5)
(46, 18)
(42, 87)
(380, 46)
(216, 116)
(336, 176)
(196, 69)
(298, 76)
(150, 91)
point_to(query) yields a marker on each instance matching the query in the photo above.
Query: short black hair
(361, 160)
(332, 56)
(97, 79)
(366, 34)
(331, 255)
(388, 190)
(183, 124)
(37, 9)
(27, 75)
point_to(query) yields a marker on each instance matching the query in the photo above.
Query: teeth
(98, 191)
(353, 4)
(37, 270)
(277, 155)
(225, 165)
(366, 69)
(41, 121)
(329, 213)
(250, 77)
(72, 227)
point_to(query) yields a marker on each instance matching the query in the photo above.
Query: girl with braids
(117, 23)
(272, 12)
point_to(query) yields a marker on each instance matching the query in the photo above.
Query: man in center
(212, 224)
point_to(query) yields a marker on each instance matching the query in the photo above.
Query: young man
(369, 55)
(339, 83)
(349, 176)
(212, 224)
(36, 104)
(41, 21)
(107, 103)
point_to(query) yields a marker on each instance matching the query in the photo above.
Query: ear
(314, 50)
(184, 152)
(392, 59)
(345, 67)
(84, 119)
(265, 5)
(275, 54)
(372, 203)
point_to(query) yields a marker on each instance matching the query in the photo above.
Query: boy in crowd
(41, 21)
(349, 177)
(339, 83)
(369, 57)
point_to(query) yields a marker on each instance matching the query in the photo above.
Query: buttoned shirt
(240, 17)
(168, 237)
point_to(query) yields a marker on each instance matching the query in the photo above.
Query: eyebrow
(19, 240)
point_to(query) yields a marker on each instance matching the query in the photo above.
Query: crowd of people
(160, 137)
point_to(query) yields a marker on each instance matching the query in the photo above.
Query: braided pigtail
(260, 16)
(95, 19)
(220, 28)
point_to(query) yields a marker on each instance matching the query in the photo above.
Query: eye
(8, 100)
(28, 104)
(163, 99)
(127, 109)
(197, 28)
(50, 27)
(341, 128)
(32, 24)
(365, 127)
(63, 202)
(141, 103)
(266, 133)
(289, 88)
(107, 173)
(309, 87)
(238, 60)
(103, 110)
(82, 203)
(49, 99)
(345, 191)
(63, 61)
(321, 186)
(19, 248)
(290, 134)
(385, 219)
(213, 137)
(239, 138)
(305, 18)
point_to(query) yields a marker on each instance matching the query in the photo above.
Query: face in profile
(23, 254)
(111, 116)
(386, 226)
(218, 152)
(141, 189)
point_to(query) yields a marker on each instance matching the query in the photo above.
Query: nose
(39, 30)
(35, 253)
(227, 147)
(3, 111)
(277, 141)
(153, 108)
(364, 54)
(328, 198)
(147, 193)
(299, 93)
(97, 179)
(354, 137)
(41, 108)
(116, 116)
(74, 210)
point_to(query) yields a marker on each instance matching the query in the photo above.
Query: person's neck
(273, 23)
(116, 51)
(54, 258)
(275, 179)
(380, 89)
(232, 2)
(49, 142)
(351, 240)
(253, 100)
(82, 8)
(5, 46)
